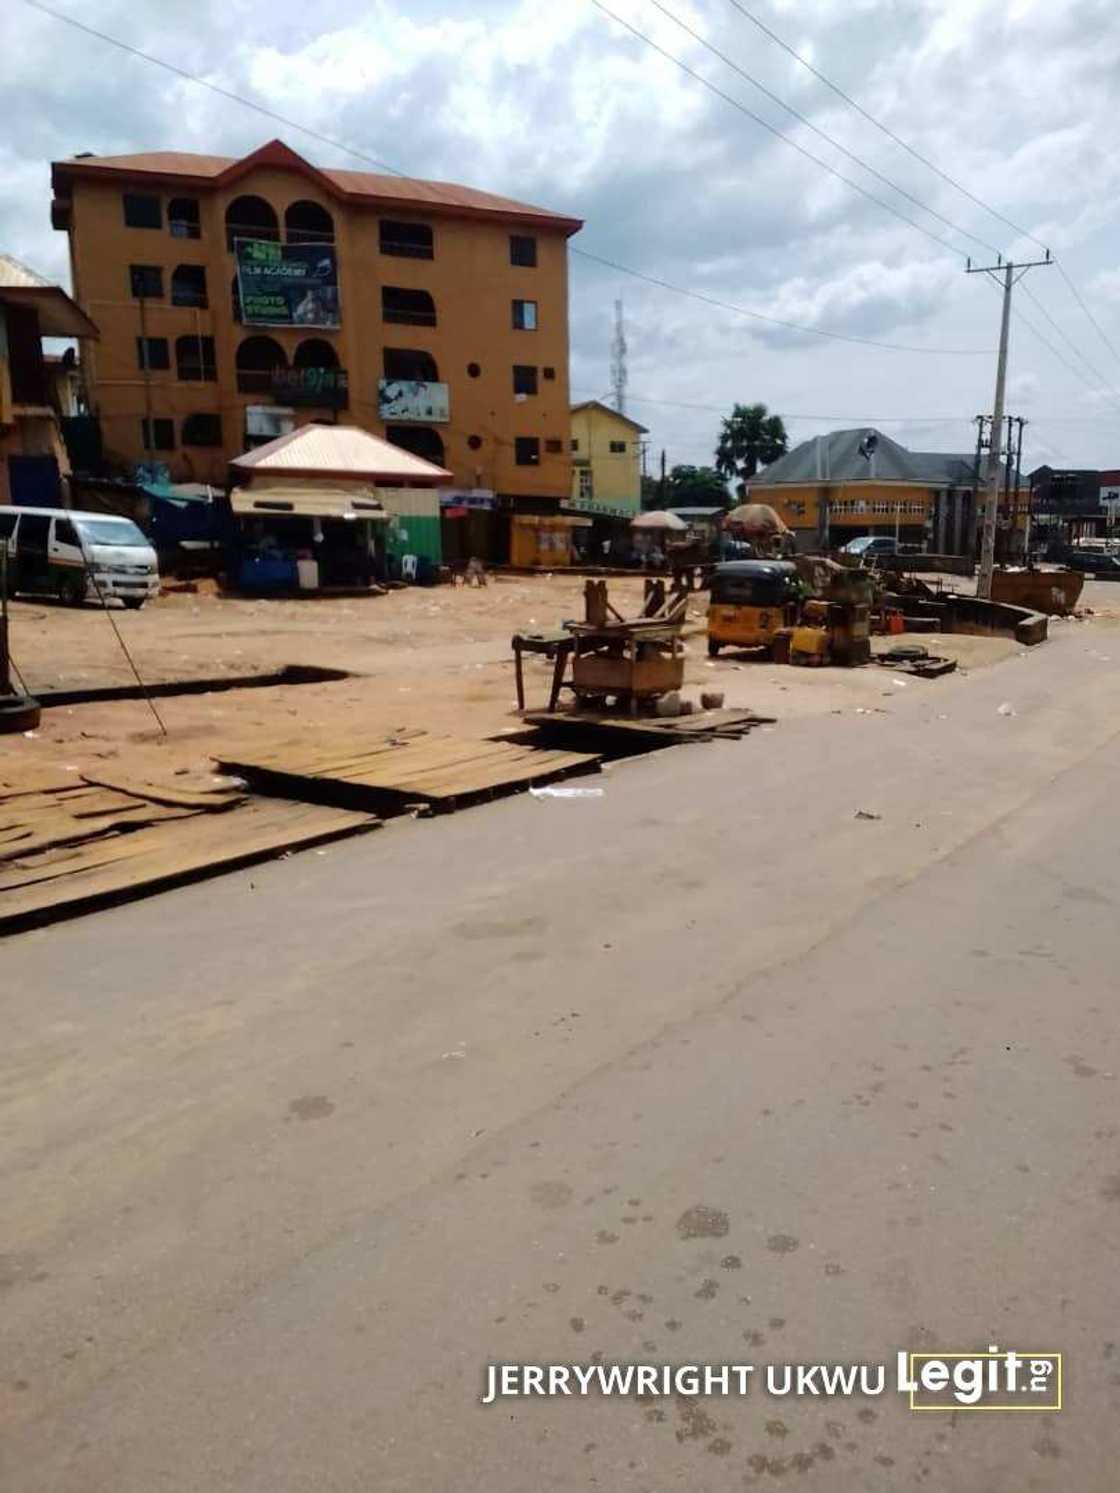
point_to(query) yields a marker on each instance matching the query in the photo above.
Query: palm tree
(750, 437)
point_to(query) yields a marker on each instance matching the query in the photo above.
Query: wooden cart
(633, 661)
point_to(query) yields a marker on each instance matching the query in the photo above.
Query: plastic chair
(409, 568)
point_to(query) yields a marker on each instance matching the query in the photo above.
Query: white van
(74, 556)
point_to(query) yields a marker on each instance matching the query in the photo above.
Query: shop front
(292, 538)
(540, 541)
(604, 537)
(469, 526)
(332, 506)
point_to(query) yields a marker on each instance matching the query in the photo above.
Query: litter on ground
(551, 792)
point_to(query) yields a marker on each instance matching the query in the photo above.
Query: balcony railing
(403, 316)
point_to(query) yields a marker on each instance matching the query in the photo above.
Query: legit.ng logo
(1000, 1379)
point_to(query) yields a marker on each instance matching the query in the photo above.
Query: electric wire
(698, 295)
(937, 238)
(925, 161)
(773, 130)
(885, 129)
(823, 134)
(360, 155)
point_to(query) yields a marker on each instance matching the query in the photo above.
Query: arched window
(188, 285)
(183, 219)
(315, 352)
(308, 223)
(257, 358)
(421, 440)
(410, 364)
(194, 359)
(251, 217)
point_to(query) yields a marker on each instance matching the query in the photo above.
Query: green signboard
(287, 285)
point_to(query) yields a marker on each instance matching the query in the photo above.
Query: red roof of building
(199, 171)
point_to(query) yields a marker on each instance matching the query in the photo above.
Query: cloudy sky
(552, 102)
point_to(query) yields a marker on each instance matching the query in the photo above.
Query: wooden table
(557, 645)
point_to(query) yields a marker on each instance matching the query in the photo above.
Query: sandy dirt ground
(438, 659)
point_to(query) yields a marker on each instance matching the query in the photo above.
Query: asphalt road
(705, 1070)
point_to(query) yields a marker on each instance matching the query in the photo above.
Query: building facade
(1072, 504)
(33, 395)
(239, 299)
(848, 483)
(606, 459)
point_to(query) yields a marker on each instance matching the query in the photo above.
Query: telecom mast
(619, 374)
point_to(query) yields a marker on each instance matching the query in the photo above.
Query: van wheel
(713, 648)
(133, 603)
(72, 590)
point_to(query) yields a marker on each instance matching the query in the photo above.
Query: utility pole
(661, 484)
(1020, 421)
(1012, 274)
(971, 538)
(1011, 470)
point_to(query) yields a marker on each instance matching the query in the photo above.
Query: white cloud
(552, 102)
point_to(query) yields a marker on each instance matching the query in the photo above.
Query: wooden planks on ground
(43, 812)
(215, 799)
(63, 880)
(587, 725)
(445, 772)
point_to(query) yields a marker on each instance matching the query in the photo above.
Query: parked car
(868, 546)
(69, 554)
(1095, 562)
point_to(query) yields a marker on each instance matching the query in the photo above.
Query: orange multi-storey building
(239, 298)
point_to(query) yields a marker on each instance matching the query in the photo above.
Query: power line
(189, 77)
(894, 186)
(721, 409)
(898, 140)
(697, 295)
(1077, 297)
(1034, 300)
(793, 326)
(824, 135)
(248, 103)
(773, 130)
(394, 171)
(855, 420)
(1072, 367)
(925, 161)
(847, 180)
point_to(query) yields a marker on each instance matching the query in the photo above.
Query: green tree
(750, 437)
(686, 487)
(697, 487)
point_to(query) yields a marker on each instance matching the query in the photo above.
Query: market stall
(289, 537)
(332, 507)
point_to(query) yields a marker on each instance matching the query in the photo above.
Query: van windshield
(121, 531)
